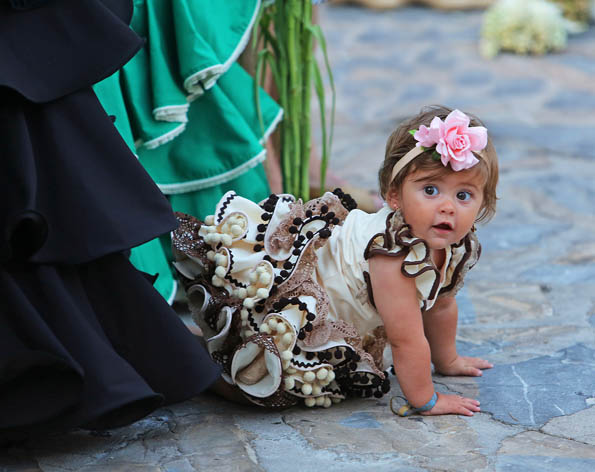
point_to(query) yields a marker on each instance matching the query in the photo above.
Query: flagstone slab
(533, 392)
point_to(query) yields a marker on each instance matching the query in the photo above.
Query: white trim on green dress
(173, 113)
(174, 291)
(209, 76)
(199, 184)
(272, 127)
(164, 138)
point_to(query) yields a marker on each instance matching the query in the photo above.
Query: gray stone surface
(528, 306)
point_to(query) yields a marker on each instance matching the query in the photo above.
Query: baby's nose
(447, 206)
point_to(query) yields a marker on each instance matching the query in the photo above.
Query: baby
(307, 301)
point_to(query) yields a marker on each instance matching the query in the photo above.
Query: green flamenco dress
(188, 111)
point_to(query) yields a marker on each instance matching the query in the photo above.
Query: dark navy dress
(85, 340)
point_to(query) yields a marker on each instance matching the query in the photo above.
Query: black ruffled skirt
(91, 345)
(85, 340)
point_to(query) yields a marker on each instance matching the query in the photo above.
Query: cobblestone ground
(529, 306)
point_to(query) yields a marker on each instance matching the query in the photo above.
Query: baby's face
(440, 209)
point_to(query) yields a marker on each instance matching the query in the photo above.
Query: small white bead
(248, 303)
(307, 389)
(273, 323)
(210, 219)
(285, 364)
(244, 314)
(310, 402)
(248, 333)
(220, 271)
(265, 278)
(319, 401)
(253, 277)
(281, 328)
(211, 255)
(287, 338)
(211, 229)
(264, 328)
(251, 290)
(327, 402)
(289, 383)
(236, 230)
(216, 281)
(260, 270)
(331, 376)
(286, 355)
(242, 292)
(309, 376)
(262, 293)
(316, 389)
(336, 400)
(220, 259)
(291, 370)
(226, 240)
(321, 374)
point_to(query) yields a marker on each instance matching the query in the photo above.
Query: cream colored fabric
(296, 273)
(341, 267)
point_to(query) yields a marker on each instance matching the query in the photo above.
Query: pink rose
(454, 140)
(428, 137)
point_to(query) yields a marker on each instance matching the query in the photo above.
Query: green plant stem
(293, 11)
(306, 125)
(287, 36)
(281, 35)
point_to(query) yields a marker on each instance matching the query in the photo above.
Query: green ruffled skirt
(188, 111)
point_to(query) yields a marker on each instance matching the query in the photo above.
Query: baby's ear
(392, 198)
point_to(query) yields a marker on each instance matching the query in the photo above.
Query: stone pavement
(529, 305)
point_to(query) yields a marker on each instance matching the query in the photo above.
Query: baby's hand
(453, 405)
(465, 366)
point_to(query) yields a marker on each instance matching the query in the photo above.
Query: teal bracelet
(407, 410)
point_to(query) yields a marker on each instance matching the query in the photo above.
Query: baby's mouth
(443, 226)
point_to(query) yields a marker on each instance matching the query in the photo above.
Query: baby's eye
(464, 196)
(431, 190)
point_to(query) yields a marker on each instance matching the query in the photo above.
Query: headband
(454, 141)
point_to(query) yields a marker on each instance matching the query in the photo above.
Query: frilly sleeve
(464, 256)
(398, 241)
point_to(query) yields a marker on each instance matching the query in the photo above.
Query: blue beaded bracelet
(407, 410)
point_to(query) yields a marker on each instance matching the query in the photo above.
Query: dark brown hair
(400, 142)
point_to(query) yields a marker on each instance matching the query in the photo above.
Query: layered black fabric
(85, 340)
(91, 345)
(72, 189)
(57, 47)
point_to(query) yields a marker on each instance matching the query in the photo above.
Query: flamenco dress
(282, 293)
(85, 340)
(189, 110)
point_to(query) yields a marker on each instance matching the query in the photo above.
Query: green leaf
(319, 87)
(260, 62)
(436, 156)
(317, 33)
(255, 30)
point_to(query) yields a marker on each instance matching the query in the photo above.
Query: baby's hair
(400, 142)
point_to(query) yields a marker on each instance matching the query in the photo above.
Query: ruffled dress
(85, 339)
(288, 282)
(188, 110)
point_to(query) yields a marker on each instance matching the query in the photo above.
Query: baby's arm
(440, 327)
(395, 297)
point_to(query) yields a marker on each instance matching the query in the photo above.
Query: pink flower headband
(455, 142)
